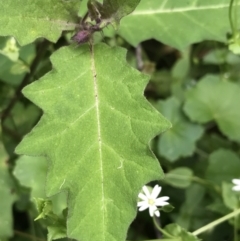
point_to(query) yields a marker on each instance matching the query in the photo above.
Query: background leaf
(224, 165)
(180, 177)
(24, 118)
(191, 207)
(180, 140)
(117, 9)
(104, 168)
(230, 197)
(35, 178)
(7, 196)
(178, 23)
(204, 105)
(37, 18)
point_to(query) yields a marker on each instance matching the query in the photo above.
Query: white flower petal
(164, 204)
(236, 181)
(236, 188)
(161, 201)
(155, 192)
(146, 191)
(152, 210)
(143, 207)
(157, 213)
(141, 203)
(142, 196)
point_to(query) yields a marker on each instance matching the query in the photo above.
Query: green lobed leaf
(215, 99)
(7, 196)
(180, 140)
(224, 165)
(95, 131)
(180, 177)
(37, 18)
(178, 23)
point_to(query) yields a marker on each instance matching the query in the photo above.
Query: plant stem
(27, 236)
(161, 230)
(139, 57)
(230, 16)
(236, 228)
(202, 153)
(216, 222)
(206, 183)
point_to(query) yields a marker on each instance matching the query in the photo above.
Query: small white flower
(151, 201)
(237, 183)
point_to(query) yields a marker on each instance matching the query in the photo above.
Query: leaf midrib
(45, 20)
(187, 9)
(96, 94)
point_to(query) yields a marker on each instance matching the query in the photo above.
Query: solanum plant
(86, 88)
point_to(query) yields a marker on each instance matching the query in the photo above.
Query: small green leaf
(180, 233)
(95, 133)
(57, 231)
(167, 208)
(180, 140)
(44, 208)
(224, 165)
(179, 177)
(215, 99)
(56, 225)
(37, 18)
(178, 23)
(11, 50)
(230, 197)
(14, 61)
